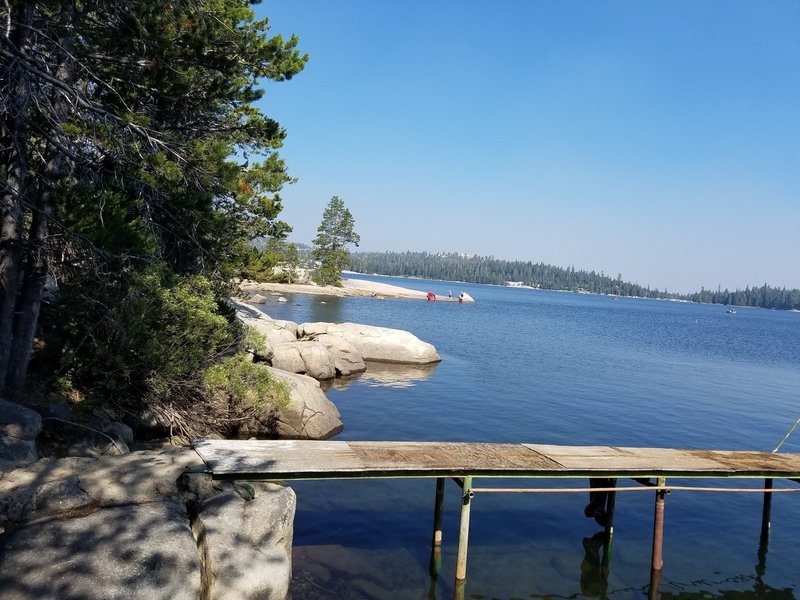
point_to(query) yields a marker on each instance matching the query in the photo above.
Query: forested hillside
(482, 269)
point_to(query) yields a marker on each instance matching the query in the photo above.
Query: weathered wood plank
(280, 457)
(665, 461)
(753, 462)
(455, 457)
(295, 459)
(655, 461)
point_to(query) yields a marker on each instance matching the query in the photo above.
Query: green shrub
(248, 384)
(159, 341)
(254, 339)
(144, 338)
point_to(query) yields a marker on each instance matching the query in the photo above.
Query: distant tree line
(764, 297)
(490, 270)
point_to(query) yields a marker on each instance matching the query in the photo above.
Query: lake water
(523, 365)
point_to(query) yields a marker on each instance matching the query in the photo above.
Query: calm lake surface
(542, 367)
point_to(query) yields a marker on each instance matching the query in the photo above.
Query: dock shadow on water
(324, 572)
(582, 569)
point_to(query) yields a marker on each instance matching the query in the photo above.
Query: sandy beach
(350, 287)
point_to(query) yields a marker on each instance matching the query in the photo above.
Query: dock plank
(260, 457)
(306, 459)
(753, 462)
(456, 457)
(659, 461)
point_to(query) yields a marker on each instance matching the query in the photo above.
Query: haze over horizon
(660, 141)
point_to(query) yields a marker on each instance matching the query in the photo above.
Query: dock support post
(657, 562)
(611, 503)
(766, 523)
(463, 540)
(766, 513)
(436, 545)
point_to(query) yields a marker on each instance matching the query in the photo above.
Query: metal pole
(611, 503)
(766, 521)
(766, 511)
(657, 562)
(436, 546)
(463, 540)
(437, 512)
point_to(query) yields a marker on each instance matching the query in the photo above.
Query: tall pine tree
(334, 234)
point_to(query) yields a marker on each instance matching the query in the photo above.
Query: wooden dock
(649, 468)
(306, 459)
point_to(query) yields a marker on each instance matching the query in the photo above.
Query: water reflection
(594, 567)
(760, 591)
(385, 375)
(327, 571)
(326, 309)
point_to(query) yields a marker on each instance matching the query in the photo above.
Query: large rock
(346, 359)
(378, 344)
(52, 486)
(286, 357)
(117, 527)
(144, 552)
(246, 545)
(19, 427)
(275, 331)
(310, 414)
(308, 357)
(117, 430)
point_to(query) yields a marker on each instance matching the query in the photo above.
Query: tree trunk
(29, 300)
(15, 139)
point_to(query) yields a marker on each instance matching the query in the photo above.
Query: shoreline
(350, 287)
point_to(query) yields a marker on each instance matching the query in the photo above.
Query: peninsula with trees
(486, 269)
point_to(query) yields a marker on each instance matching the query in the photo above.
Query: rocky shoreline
(151, 523)
(350, 287)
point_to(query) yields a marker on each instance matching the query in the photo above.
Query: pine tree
(334, 234)
(121, 128)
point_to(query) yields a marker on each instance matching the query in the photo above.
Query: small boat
(731, 311)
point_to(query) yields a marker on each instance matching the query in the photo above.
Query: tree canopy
(334, 234)
(133, 161)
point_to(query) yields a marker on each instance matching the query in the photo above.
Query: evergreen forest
(490, 270)
(136, 166)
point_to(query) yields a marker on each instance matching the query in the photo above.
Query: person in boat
(431, 297)
(449, 294)
(461, 297)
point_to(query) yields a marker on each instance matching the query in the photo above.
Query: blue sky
(656, 139)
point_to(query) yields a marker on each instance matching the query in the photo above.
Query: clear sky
(656, 139)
